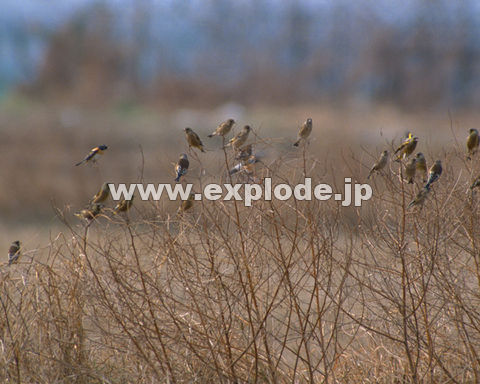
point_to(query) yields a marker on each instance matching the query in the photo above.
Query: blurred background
(415, 53)
(133, 73)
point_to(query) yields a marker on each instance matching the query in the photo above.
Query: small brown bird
(240, 138)
(476, 183)
(223, 128)
(93, 155)
(90, 213)
(244, 153)
(181, 167)
(472, 143)
(101, 195)
(434, 173)
(410, 169)
(123, 205)
(420, 198)
(422, 165)
(380, 164)
(14, 252)
(304, 131)
(407, 147)
(245, 165)
(187, 204)
(193, 140)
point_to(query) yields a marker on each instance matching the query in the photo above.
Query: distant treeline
(419, 54)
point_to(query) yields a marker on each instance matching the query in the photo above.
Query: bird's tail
(80, 163)
(235, 169)
(177, 179)
(211, 135)
(296, 143)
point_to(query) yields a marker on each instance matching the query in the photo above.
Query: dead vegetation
(289, 291)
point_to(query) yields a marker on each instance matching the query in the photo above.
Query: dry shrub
(290, 291)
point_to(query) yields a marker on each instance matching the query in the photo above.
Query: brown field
(279, 292)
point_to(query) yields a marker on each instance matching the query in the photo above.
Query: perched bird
(14, 252)
(380, 164)
(476, 183)
(407, 147)
(304, 131)
(244, 153)
(93, 155)
(187, 204)
(181, 167)
(410, 169)
(223, 128)
(240, 138)
(193, 140)
(90, 213)
(101, 195)
(420, 198)
(422, 165)
(434, 173)
(246, 165)
(123, 205)
(472, 143)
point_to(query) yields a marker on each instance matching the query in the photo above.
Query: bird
(472, 143)
(181, 167)
(90, 213)
(380, 164)
(187, 204)
(304, 131)
(193, 140)
(244, 152)
(14, 252)
(93, 155)
(422, 165)
(223, 128)
(420, 197)
(476, 183)
(123, 205)
(407, 147)
(434, 173)
(410, 169)
(101, 195)
(245, 165)
(240, 138)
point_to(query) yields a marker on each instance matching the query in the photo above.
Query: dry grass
(278, 292)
